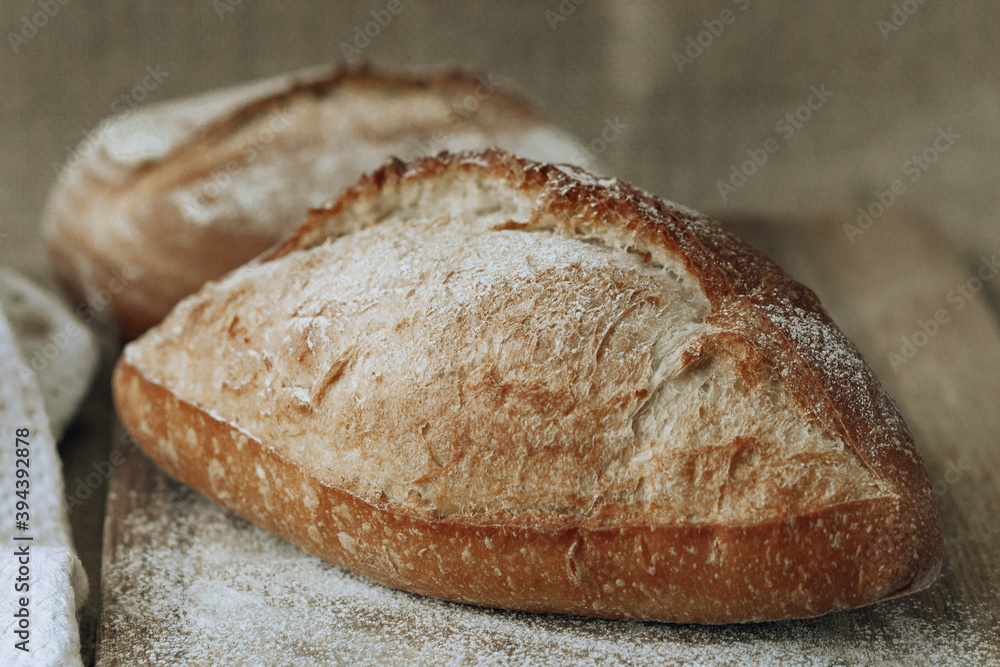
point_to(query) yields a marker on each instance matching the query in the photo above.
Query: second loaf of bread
(173, 195)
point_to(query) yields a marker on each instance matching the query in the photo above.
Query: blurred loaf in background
(167, 198)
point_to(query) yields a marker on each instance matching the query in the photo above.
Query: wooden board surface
(184, 581)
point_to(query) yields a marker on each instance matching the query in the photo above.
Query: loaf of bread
(170, 196)
(514, 384)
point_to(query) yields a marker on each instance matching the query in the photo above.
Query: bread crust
(837, 557)
(750, 294)
(551, 566)
(157, 205)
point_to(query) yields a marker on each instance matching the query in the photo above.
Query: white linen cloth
(57, 584)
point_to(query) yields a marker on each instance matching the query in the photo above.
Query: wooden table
(183, 581)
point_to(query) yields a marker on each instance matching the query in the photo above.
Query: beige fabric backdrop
(686, 123)
(683, 124)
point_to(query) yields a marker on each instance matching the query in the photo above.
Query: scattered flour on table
(207, 588)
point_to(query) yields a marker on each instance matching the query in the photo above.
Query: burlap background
(687, 122)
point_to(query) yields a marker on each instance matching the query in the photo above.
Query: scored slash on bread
(515, 384)
(176, 194)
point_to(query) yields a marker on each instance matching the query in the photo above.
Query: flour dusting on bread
(182, 192)
(516, 384)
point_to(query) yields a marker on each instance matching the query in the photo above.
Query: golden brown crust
(844, 555)
(167, 194)
(452, 81)
(782, 319)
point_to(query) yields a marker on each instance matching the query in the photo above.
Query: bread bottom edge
(845, 557)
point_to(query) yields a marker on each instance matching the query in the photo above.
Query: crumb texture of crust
(488, 350)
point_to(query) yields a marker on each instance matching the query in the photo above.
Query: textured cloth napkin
(55, 582)
(56, 347)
